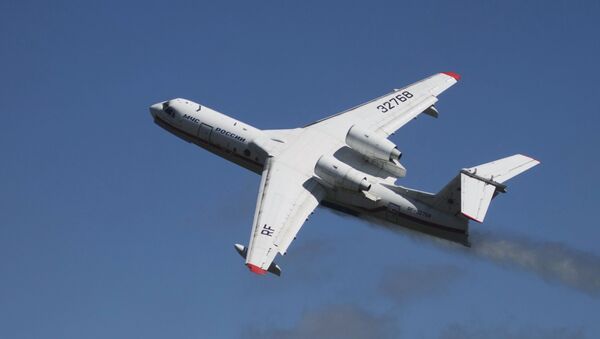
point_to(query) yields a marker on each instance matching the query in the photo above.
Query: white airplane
(344, 162)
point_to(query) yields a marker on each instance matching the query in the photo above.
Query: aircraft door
(204, 132)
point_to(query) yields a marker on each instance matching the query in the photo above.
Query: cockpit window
(168, 109)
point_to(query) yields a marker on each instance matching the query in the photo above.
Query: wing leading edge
(286, 199)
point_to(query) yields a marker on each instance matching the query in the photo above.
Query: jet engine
(338, 174)
(371, 145)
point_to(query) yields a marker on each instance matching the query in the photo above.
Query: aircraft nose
(155, 109)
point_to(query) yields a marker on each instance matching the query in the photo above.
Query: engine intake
(371, 145)
(338, 174)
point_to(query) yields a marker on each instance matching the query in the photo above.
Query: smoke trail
(550, 260)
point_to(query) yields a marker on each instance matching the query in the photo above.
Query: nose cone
(155, 110)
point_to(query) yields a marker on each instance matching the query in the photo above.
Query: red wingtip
(256, 269)
(454, 75)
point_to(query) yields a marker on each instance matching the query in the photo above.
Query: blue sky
(112, 228)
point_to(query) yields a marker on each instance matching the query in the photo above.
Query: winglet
(454, 75)
(256, 269)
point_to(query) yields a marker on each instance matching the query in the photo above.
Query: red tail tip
(454, 75)
(472, 218)
(256, 269)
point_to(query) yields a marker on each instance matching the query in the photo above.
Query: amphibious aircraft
(344, 162)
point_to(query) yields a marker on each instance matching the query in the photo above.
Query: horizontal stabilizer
(503, 169)
(479, 184)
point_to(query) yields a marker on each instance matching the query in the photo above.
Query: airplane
(344, 162)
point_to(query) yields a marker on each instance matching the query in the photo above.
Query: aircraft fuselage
(249, 147)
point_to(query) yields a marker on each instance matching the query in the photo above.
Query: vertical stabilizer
(475, 197)
(471, 191)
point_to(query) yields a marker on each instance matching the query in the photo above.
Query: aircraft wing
(388, 113)
(286, 199)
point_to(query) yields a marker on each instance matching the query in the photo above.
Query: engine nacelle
(371, 145)
(338, 174)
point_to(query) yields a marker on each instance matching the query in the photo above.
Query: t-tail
(472, 190)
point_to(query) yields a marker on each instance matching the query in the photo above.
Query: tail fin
(474, 187)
